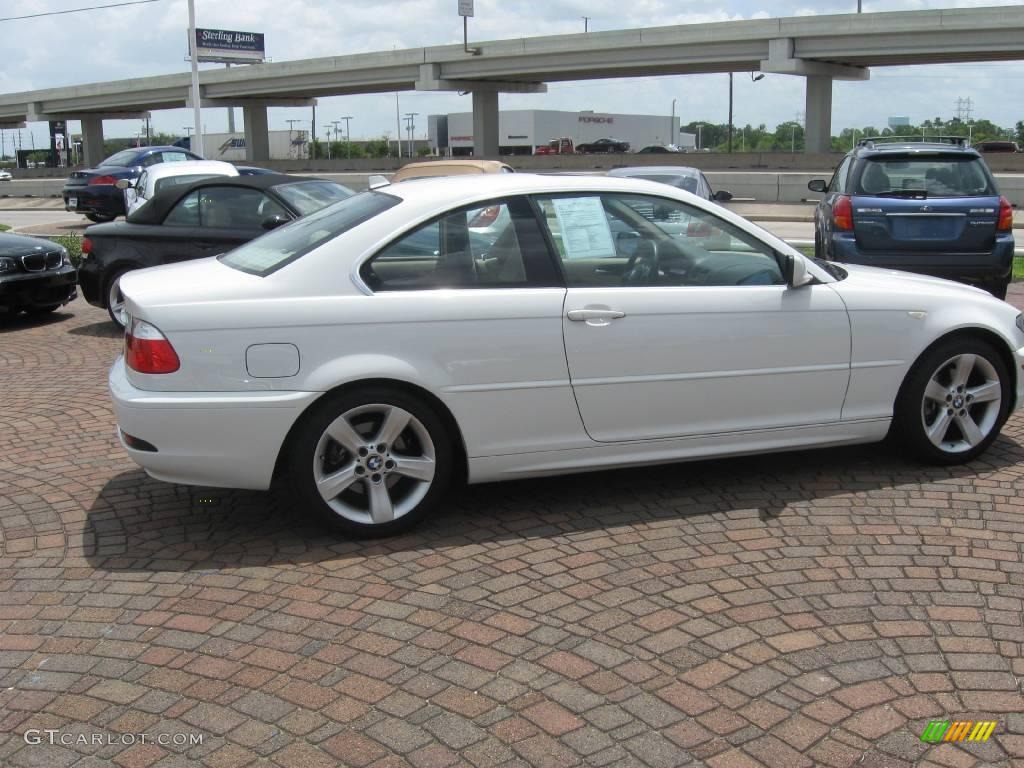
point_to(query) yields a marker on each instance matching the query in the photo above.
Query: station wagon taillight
(147, 350)
(86, 246)
(842, 213)
(1005, 215)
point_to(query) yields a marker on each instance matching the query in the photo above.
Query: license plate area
(925, 227)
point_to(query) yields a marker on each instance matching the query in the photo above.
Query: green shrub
(4, 227)
(73, 243)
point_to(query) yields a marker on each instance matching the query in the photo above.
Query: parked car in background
(678, 176)
(157, 178)
(94, 191)
(659, 149)
(36, 275)
(560, 146)
(997, 146)
(448, 167)
(923, 206)
(191, 221)
(603, 145)
(5, 175)
(324, 355)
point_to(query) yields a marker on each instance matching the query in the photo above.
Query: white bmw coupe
(377, 350)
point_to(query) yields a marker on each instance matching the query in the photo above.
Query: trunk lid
(949, 225)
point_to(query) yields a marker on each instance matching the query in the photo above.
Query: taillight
(86, 246)
(146, 350)
(486, 217)
(842, 213)
(102, 181)
(1005, 215)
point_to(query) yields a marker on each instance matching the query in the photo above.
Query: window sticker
(584, 226)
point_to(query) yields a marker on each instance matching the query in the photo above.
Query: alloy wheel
(115, 302)
(374, 464)
(961, 403)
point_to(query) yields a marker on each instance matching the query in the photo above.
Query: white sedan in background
(377, 350)
(161, 176)
(5, 175)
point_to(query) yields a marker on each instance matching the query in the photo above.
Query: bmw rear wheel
(115, 299)
(954, 401)
(371, 463)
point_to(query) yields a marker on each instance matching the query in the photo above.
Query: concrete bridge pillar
(257, 138)
(92, 141)
(485, 124)
(818, 111)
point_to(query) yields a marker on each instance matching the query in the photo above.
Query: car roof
(658, 170)
(160, 170)
(154, 211)
(447, 168)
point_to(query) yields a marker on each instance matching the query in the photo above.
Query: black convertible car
(190, 221)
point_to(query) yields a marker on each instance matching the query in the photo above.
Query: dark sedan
(36, 275)
(604, 145)
(192, 221)
(94, 191)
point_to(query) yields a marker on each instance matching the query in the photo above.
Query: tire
(819, 251)
(115, 300)
(959, 393)
(997, 288)
(99, 218)
(372, 496)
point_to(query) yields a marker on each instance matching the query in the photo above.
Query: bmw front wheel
(371, 463)
(954, 401)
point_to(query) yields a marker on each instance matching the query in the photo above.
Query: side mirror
(817, 185)
(722, 196)
(124, 184)
(794, 269)
(275, 221)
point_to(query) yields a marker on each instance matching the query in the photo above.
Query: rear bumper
(104, 200)
(36, 290)
(222, 439)
(996, 265)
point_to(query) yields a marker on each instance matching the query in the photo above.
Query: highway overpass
(817, 48)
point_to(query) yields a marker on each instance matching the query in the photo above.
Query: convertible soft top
(156, 209)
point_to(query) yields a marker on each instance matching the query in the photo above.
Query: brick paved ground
(810, 609)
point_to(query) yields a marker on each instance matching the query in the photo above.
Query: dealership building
(521, 131)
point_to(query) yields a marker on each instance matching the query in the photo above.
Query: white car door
(675, 332)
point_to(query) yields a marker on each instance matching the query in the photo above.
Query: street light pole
(586, 23)
(410, 127)
(197, 145)
(327, 128)
(699, 126)
(730, 112)
(672, 125)
(348, 137)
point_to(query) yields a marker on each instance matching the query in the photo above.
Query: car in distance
(659, 149)
(679, 176)
(604, 146)
(369, 375)
(997, 146)
(5, 175)
(157, 178)
(191, 221)
(36, 275)
(928, 206)
(94, 191)
(431, 168)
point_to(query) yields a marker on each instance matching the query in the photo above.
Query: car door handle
(595, 316)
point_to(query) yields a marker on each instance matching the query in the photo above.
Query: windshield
(309, 196)
(123, 158)
(282, 246)
(934, 176)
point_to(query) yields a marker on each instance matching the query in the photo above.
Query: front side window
(230, 208)
(475, 247)
(642, 241)
(921, 175)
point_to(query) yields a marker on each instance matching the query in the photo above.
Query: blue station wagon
(929, 206)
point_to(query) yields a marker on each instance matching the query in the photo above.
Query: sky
(150, 39)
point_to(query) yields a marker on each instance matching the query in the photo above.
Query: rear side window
(288, 243)
(931, 176)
